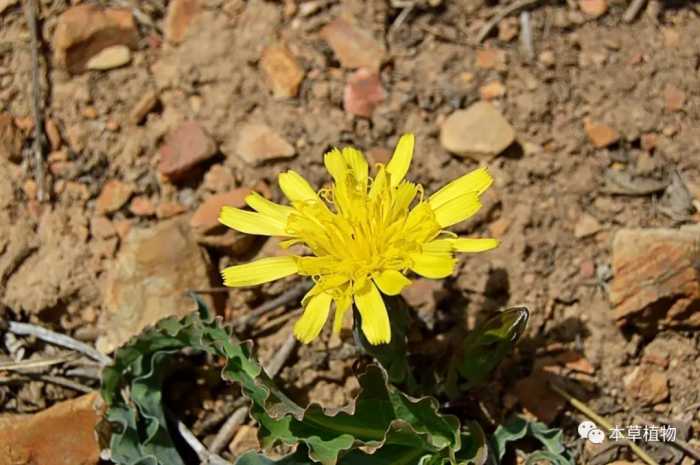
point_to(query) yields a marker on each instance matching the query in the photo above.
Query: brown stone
(656, 276)
(586, 226)
(593, 8)
(508, 29)
(206, 217)
(142, 206)
(258, 143)
(490, 58)
(178, 18)
(354, 47)
(536, 396)
(479, 132)
(379, 155)
(492, 90)
(647, 141)
(282, 71)
(674, 98)
(11, 139)
(500, 227)
(219, 178)
(85, 30)
(169, 209)
(110, 57)
(53, 134)
(102, 228)
(600, 135)
(646, 385)
(61, 435)
(113, 196)
(146, 103)
(184, 148)
(153, 269)
(363, 92)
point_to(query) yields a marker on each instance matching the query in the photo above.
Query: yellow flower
(364, 234)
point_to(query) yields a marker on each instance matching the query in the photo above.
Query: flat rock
(11, 139)
(85, 30)
(601, 135)
(145, 104)
(646, 385)
(184, 148)
(354, 47)
(148, 280)
(113, 196)
(258, 143)
(593, 8)
(110, 57)
(655, 276)
(479, 132)
(63, 434)
(586, 226)
(282, 71)
(363, 92)
(178, 18)
(206, 217)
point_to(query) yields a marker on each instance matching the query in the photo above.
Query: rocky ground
(156, 114)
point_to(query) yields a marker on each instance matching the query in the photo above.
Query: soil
(598, 100)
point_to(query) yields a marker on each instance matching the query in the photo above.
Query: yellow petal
(335, 164)
(251, 222)
(259, 271)
(401, 160)
(260, 204)
(357, 164)
(375, 319)
(308, 327)
(457, 209)
(475, 181)
(295, 187)
(467, 244)
(432, 265)
(391, 282)
(342, 305)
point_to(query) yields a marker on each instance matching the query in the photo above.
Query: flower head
(364, 233)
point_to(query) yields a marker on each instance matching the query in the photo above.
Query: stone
(219, 178)
(354, 47)
(593, 8)
(282, 71)
(508, 29)
(655, 276)
(113, 196)
(490, 58)
(500, 227)
(83, 31)
(149, 279)
(536, 396)
(363, 92)
(5, 4)
(479, 132)
(63, 434)
(206, 218)
(492, 90)
(178, 18)
(142, 206)
(169, 209)
(11, 139)
(258, 143)
(586, 226)
(102, 228)
(647, 141)
(53, 134)
(110, 57)
(601, 135)
(146, 103)
(674, 98)
(646, 385)
(185, 147)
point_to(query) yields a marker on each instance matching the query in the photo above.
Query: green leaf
(395, 426)
(486, 346)
(518, 428)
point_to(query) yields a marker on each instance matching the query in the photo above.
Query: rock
(593, 8)
(423, 295)
(5, 4)
(363, 92)
(148, 280)
(206, 217)
(258, 143)
(282, 71)
(508, 29)
(535, 395)
(646, 385)
(586, 226)
(478, 132)
(146, 103)
(219, 179)
(102, 228)
(113, 196)
(178, 18)
(575, 361)
(674, 98)
(492, 90)
(184, 148)
(169, 209)
(85, 30)
(110, 57)
(354, 47)
(600, 135)
(11, 139)
(647, 141)
(63, 434)
(490, 58)
(53, 134)
(500, 227)
(142, 206)
(655, 276)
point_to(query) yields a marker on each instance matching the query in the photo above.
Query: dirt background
(208, 104)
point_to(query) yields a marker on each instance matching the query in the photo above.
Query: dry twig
(291, 294)
(206, 456)
(526, 35)
(30, 13)
(633, 10)
(512, 8)
(33, 364)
